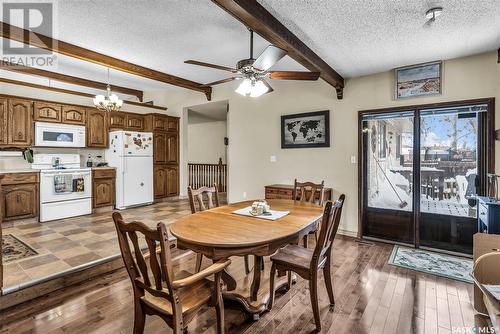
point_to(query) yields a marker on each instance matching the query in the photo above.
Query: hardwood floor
(371, 297)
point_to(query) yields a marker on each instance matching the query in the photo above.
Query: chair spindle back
(300, 190)
(211, 193)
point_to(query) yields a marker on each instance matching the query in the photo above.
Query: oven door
(57, 186)
(59, 135)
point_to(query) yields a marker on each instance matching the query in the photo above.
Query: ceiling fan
(253, 71)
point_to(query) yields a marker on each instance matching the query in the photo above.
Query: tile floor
(68, 243)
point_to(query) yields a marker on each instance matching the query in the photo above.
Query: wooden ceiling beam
(69, 79)
(73, 92)
(256, 17)
(48, 43)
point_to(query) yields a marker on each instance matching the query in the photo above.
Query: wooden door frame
(488, 150)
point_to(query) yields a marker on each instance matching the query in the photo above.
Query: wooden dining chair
(307, 262)
(300, 193)
(212, 201)
(175, 299)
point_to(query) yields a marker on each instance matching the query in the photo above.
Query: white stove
(65, 187)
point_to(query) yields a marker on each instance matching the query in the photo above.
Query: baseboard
(348, 233)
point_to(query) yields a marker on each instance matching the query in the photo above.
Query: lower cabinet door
(103, 193)
(172, 181)
(160, 181)
(20, 201)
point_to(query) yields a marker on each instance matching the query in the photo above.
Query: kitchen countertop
(105, 167)
(18, 170)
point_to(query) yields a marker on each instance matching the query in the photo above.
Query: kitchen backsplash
(18, 162)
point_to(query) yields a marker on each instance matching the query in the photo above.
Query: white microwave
(59, 135)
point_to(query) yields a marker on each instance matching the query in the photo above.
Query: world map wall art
(310, 129)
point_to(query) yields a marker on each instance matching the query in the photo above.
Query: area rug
(449, 266)
(14, 249)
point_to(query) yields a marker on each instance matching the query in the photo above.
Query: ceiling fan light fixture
(258, 89)
(245, 87)
(252, 88)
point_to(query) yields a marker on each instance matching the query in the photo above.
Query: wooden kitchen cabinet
(19, 123)
(165, 153)
(173, 124)
(117, 120)
(159, 147)
(47, 112)
(172, 180)
(3, 121)
(103, 187)
(172, 148)
(73, 115)
(134, 122)
(20, 196)
(97, 129)
(160, 181)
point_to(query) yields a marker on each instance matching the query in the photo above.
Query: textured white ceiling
(355, 37)
(360, 37)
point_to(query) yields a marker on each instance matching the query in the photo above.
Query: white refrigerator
(131, 153)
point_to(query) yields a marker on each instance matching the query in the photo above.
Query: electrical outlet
(244, 195)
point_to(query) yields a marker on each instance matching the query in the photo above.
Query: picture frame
(310, 129)
(424, 79)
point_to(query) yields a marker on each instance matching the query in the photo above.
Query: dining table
(219, 234)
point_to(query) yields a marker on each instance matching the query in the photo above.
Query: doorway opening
(421, 170)
(207, 146)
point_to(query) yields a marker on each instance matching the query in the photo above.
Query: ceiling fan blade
(293, 75)
(221, 81)
(219, 67)
(270, 56)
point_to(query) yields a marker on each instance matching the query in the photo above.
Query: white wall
(254, 126)
(206, 142)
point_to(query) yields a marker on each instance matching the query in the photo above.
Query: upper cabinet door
(135, 122)
(20, 123)
(159, 148)
(117, 120)
(47, 112)
(173, 124)
(160, 122)
(97, 130)
(73, 115)
(3, 121)
(172, 150)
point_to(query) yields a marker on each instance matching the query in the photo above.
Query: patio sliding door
(420, 171)
(388, 169)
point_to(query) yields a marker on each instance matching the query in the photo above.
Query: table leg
(254, 288)
(228, 279)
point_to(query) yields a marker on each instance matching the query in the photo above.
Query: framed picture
(418, 80)
(310, 129)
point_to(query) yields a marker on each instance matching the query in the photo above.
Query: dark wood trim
(489, 147)
(416, 179)
(1, 254)
(72, 92)
(69, 79)
(498, 61)
(256, 17)
(48, 43)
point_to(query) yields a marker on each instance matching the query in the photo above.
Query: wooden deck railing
(205, 175)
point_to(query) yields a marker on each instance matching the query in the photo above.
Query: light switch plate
(272, 158)
(353, 159)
